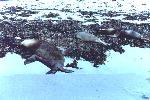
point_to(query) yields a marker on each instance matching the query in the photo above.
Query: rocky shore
(62, 34)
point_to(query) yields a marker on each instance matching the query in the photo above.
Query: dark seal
(48, 54)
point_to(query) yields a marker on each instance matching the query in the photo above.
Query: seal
(135, 34)
(130, 33)
(86, 36)
(46, 53)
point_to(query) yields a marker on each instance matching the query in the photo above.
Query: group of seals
(47, 53)
(128, 33)
(51, 56)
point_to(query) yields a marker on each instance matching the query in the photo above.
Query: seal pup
(46, 53)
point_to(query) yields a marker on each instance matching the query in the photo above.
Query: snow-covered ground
(130, 7)
(124, 76)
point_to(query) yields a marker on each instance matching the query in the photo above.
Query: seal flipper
(51, 72)
(65, 70)
(59, 69)
(30, 59)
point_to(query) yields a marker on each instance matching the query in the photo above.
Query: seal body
(85, 36)
(48, 54)
(130, 33)
(133, 34)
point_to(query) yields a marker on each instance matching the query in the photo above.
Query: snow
(123, 77)
(73, 87)
(99, 6)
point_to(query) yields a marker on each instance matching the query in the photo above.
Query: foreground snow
(124, 77)
(74, 87)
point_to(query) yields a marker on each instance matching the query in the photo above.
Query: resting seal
(85, 36)
(130, 33)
